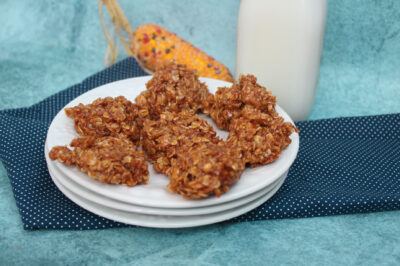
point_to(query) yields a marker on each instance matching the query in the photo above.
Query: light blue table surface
(46, 46)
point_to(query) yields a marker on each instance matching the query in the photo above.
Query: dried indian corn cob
(153, 46)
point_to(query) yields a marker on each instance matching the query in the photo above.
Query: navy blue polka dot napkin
(344, 165)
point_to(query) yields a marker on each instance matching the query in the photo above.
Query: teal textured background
(46, 46)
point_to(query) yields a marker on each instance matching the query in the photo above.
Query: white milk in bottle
(280, 42)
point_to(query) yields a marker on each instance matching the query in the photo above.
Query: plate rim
(197, 220)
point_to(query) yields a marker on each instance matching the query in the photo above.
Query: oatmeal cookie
(162, 138)
(205, 169)
(173, 88)
(114, 160)
(260, 143)
(107, 117)
(228, 102)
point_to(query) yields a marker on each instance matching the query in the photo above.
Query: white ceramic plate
(160, 221)
(114, 204)
(155, 194)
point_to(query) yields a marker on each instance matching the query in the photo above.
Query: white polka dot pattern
(344, 165)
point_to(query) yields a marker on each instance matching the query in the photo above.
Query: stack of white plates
(152, 205)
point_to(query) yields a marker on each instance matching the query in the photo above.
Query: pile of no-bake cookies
(163, 127)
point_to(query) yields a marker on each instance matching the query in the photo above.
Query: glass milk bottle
(280, 42)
